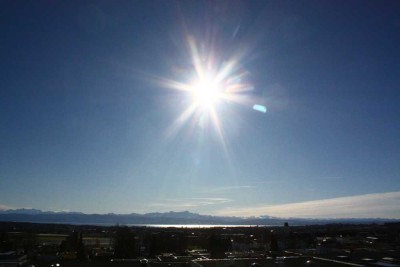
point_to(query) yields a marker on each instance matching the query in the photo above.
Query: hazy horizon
(358, 207)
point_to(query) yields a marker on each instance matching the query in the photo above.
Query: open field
(56, 239)
(52, 239)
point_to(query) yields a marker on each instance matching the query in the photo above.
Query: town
(58, 245)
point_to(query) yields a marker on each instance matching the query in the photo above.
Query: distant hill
(185, 217)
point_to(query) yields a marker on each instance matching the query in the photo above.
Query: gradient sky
(88, 124)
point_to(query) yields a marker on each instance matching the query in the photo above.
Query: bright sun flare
(211, 81)
(206, 93)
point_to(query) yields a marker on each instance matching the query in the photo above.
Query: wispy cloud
(384, 205)
(188, 202)
(226, 189)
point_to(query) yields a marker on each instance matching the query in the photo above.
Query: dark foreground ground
(23, 244)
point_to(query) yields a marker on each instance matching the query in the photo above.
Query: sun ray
(209, 81)
(196, 58)
(218, 127)
(181, 120)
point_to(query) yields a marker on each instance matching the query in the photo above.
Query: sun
(211, 82)
(206, 92)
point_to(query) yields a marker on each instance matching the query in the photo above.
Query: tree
(124, 243)
(74, 243)
(273, 245)
(218, 245)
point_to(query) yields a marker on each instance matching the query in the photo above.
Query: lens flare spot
(260, 108)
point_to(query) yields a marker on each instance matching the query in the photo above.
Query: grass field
(56, 239)
(52, 239)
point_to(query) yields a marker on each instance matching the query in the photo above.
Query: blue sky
(90, 121)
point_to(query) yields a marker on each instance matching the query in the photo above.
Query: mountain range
(172, 218)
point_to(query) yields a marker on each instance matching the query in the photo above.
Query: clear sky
(98, 110)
